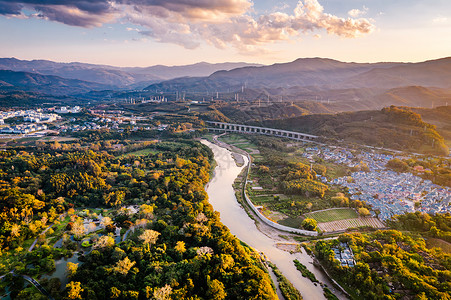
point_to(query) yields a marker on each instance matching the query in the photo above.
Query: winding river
(222, 197)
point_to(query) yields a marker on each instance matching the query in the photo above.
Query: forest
(392, 127)
(176, 249)
(389, 265)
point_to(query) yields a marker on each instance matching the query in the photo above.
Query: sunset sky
(175, 32)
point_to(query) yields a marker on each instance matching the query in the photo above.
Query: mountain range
(116, 77)
(339, 85)
(318, 74)
(49, 84)
(336, 85)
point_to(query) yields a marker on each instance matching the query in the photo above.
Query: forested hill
(178, 248)
(392, 127)
(24, 81)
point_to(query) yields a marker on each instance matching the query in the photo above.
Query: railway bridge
(229, 127)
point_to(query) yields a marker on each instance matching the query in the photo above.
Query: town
(388, 192)
(41, 122)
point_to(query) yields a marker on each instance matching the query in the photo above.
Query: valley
(106, 183)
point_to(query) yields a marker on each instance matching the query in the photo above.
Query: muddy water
(222, 197)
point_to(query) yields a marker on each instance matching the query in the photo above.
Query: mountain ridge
(325, 73)
(111, 75)
(27, 81)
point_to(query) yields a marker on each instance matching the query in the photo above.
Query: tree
(180, 247)
(216, 290)
(15, 230)
(149, 237)
(115, 292)
(434, 231)
(105, 222)
(105, 241)
(74, 290)
(364, 212)
(309, 224)
(397, 165)
(146, 210)
(123, 266)
(163, 293)
(71, 269)
(78, 229)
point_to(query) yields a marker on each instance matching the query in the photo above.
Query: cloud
(221, 23)
(355, 13)
(440, 20)
(83, 13)
(8, 8)
(72, 16)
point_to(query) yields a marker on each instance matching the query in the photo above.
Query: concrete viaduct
(228, 127)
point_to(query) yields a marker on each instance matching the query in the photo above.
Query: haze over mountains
(339, 86)
(322, 74)
(116, 77)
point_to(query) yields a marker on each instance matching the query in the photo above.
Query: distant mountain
(324, 74)
(304, 72)
(194, 70)
(334, 85)
(433, 73)
(54, 85)
(114, 76)
(338, 85)
(414, 96)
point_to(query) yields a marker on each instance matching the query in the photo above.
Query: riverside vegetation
(178, 249)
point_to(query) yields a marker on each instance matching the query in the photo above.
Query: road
(33, 282)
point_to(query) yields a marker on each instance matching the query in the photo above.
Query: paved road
(36, 240)
(38, 286)
(33, 282)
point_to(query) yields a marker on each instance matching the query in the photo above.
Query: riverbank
(260, 236)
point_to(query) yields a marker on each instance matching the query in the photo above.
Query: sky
(177, 32)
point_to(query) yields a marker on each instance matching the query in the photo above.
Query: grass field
(238, 142)
(141, 152)
(333, 215)
(445, 246)
(292, 222)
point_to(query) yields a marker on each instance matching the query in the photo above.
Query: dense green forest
(392, 127)
(389, 265)
(177, 248)
(437, 226)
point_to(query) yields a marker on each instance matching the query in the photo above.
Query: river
(222, 197)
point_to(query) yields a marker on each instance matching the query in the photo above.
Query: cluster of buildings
(79, 127)
(68, 110)
(374, 161)
(393, 193)
(22, 128)
(343, 253)
(388, 192)
(33, 116)
(99, 123)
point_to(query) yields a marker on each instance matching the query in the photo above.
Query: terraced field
(333, 215)
(350, 223)
(339, 219)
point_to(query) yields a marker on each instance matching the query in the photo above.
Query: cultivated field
(334, 214)
(345, 224)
